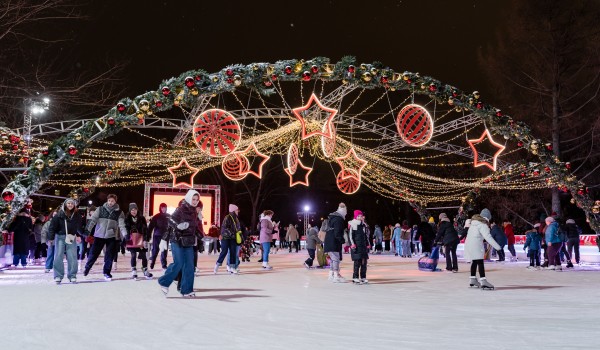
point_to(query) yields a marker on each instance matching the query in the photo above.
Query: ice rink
(291, 307)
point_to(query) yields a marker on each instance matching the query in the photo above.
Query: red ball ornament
(166, 91)
(415, 125)
(536, 173)
(432, 88)
(121, 107)
(520, 143)
(158, 103)
(109, 172)
(111, 121)
(288, 70)
(580, 192)
(45, 152)
(15, 147)
(229, 72)
(229, 81)
(72, 150)
(384, 79)
(454, 93)
(198, 77)
(267, 83)
(314, 69)
(549, 146)
(568, 165)
(273, 76)
(306, 76)
(409, 81)
(86, 190)
(189, 82)
(523, 174)
(479, 105)
(547, 169)
(498, 113)
(8, 196)
(351, 69)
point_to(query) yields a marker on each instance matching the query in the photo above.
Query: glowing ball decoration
(415, 125)
(235, 166)
(292, 159)
(328, 144)
(217, 132)
(348, 181)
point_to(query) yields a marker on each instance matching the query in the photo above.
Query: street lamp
(33, 107)
(306, 217)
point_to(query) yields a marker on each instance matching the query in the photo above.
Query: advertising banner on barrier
(583, 239)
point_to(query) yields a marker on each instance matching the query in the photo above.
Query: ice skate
(306, 265)
(570, 265)
(485, 285)
(134, 274)
(147, 273)
(216, 269)
(364, 281)
(107, 277)
(46, 270)
(189, 295)
(330, 275)
(337, 278)
(267, 267)
(57, 280)
(474, 283)
(356, 281)
(73, 280)
(165, 290)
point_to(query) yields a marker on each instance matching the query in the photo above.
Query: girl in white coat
(478, 231)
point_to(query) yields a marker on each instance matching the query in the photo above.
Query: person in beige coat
(292, 236)
(474, 251)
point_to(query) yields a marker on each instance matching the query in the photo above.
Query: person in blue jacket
(498, 235)
(554, 244)
(533, 241)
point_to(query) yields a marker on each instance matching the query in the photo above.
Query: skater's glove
(163, 245)
(145, 244)
(183, 226)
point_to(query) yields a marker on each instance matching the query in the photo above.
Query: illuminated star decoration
(476, 162)
(302, 112)
(356, 164)
(306, 174)
(183, 164)
(253, 151)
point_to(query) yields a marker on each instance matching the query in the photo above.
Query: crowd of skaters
(67, 232)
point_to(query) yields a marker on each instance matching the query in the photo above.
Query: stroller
(429, 263)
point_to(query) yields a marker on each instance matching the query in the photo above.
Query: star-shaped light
(183, 164)
(356, 164)
(476, 162)
(303, 111)
(252, 151)
(291, 175)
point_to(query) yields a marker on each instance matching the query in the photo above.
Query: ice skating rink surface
(291, 307)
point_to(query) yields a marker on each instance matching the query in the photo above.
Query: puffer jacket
(21, 227)
(478, 232)
(498, 235)
(266, 230)
(334, 236)
(109, 222)
(139, 225)
(73, 222)
(446, 234)
(510, 234)
(572, 231)
(185, 212)
(552, 233)
(533, 240)
(312, 239)
(159, 224)
(359, 238)
(232, 224)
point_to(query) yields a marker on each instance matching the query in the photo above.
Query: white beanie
(232, 208)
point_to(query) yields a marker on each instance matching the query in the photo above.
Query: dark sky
(163, 39)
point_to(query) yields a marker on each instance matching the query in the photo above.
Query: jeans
(335, 261)
(398, 247)
(501, 254)
(163, 255)
(511, 249)
(406, 248)
(50, 257)
(311, 257)
(112, 247)
(360, 268)
(266, 248)
(236, 259)
(20, 257)
(183, 260)
(417, 247)
(451, 261)
(59, 266)
(227, 245)
(573, 243)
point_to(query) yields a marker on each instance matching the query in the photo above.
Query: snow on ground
(291, 307)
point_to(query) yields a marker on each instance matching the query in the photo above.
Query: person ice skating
(63, 230)
(213, 245)
(554, 244)
(22, 227)
(378, 236)
(510, 239)
(137, 239)
(500, 237)
(312, 239)
(396, 239)
(274, 248)
(572, 240)
(334, 238)
(266, 237)
(39, 251)
(474, 250)
(533, 241)
(292, 237)
(417, 241)
(231, 225)
(359, 248)
(108, 223)
(158, 226)
(387, 236)
(426, 235)
(49, 264)
(405, 239)
(448, 237)
(183, 235)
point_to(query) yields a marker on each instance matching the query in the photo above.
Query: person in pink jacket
(266, 236)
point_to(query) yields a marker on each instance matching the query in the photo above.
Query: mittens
(183, 226)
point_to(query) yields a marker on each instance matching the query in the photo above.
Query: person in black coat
(334, 238)
(21, 228)
(498, 235)
(63, 230)
(157, 228)
(136, 226)
(448, 237)
(572, 239)
(359, 245)
(426, 234)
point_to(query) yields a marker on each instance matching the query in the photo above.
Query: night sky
(164, 39)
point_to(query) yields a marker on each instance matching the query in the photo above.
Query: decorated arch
(403, 135)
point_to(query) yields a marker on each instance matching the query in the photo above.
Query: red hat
(357, 213)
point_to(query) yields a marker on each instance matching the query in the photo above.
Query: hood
(114, 207)
(337, 213)
(354, 223)
(479, 218)
(189, 195)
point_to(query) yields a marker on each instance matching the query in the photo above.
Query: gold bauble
(423, 86)
(144, 105)
(476, 95)
(176, 103)
(215, 78)
(596, 209)
(392, 88)
(194, 91)
(298, 66)
(534, 152)
(328, 68)
(374, 71)
(366, 76)
(255, 67)
(363, 66)
(534, 145)
(458, 109)
(450, 102)
(572, 200)
(77, 136)
(270, 69)
(344, 81)
(139, 114)
(51, 163)
(237, 80)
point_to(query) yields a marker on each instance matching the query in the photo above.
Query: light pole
(32, 107)
(306, 217)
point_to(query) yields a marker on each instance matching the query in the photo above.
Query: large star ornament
(309, 109)
(351, 162)
(183, 164)
(306, 174)
(252, 151)
(476, 161)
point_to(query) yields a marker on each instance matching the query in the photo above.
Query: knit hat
(357, 213)
(570, 221)
(431, 220)
(342, 209)
(132, 206)
(71, 200)
(486, 214)
(233, 207)
(443, 216)
(549, 220)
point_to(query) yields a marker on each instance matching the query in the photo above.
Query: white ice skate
(134, 274)
(485, 285)
(474, 283)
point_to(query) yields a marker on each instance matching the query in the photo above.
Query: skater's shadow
(527, 287)
(227, 290)
(390, 281)
(226, 298)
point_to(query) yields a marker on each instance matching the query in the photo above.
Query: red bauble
(15, 147)
(121, 107)
(520, 143)
(189, 82)
(568, 165)
(198, 78)
(229, 72)
(166, 91)
(8, 196)
(306, 76)
(580, 192)
(273, 76)
(523, 174)
(479, 105)
(351, 69)
(549, 147)
(268, 83)
(536, 173)
(229, 81)
(384, 79)
(109, 172)
(158, 103)
(288, 70)
(547, 169)
(498, 114)
(408, 81)
(45, 152)
(454, 93)
(314, 69)
(432, 88)
(111, 121)
(72, 150)
(414, 125)
(86, 190)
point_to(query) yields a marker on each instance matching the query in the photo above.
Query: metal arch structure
(178, 91)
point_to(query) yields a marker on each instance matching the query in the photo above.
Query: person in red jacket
(510, 237)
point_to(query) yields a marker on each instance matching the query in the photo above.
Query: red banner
(583, 239)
